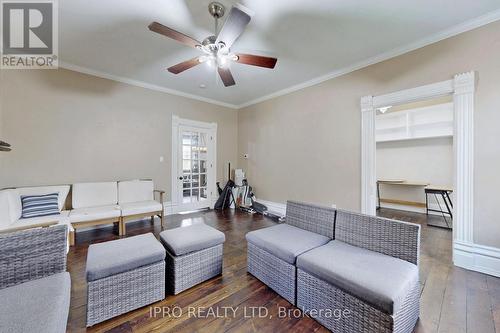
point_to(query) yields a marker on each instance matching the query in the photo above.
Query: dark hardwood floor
(453, 299)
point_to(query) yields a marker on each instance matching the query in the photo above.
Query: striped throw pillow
(39, 205)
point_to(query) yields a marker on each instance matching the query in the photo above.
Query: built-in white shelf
(426, 122)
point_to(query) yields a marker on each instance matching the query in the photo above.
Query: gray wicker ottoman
(124, 275)
(194, 255)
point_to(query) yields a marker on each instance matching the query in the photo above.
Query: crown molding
(141, 84)
(456, 30)
(453, 31)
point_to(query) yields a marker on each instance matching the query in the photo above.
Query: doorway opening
(193, 164)
(461, 88)
(414, 160)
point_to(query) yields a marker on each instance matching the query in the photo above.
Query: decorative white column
(463, 100)
(368, 163)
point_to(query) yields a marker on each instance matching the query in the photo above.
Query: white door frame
(462, 88)
(212, 159)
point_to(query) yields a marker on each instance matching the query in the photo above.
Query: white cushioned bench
(95, 204)
(136, 200)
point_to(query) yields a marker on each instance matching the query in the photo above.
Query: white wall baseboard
(475, 257)
(172, 208)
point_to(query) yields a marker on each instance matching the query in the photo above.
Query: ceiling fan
(217, 48)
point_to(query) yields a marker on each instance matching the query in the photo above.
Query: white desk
(399, 182)
(442, 191)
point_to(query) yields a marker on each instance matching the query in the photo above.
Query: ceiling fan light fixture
(211, 60)
(222, 61)
(224, 58)
(217, 48)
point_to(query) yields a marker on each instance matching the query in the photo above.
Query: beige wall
(425, 160)
(69, 127)
(306, 145)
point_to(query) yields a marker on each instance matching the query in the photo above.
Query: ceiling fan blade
(171, 33)
(256, 60)
(181, 67)
(5, 144)
(226, 76)
(234, 25)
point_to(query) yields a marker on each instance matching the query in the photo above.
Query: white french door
(195, 174)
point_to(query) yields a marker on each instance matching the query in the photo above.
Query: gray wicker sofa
(34, 285)
(272, 252)
(367, 275)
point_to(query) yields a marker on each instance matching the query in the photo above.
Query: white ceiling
(323, 38)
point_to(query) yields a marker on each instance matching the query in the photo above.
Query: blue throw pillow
(39, 205)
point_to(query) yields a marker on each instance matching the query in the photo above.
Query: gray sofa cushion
(285, 241)
(375, 278)
(193, 238)
(121, 255)
(40, 305)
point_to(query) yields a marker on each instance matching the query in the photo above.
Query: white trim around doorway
(462, 87)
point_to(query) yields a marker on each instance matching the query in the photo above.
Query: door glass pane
(186, 138)
(196, 166)
(203, 146)
(186, 152)
(195, 194)
(203, 166)
(203, 153)
(203, 179)
(186, 182)
(195, 138)
(186, 196)
(203, 140)
(203, 193)
(196, 181)
(194, 153)
(186, 166)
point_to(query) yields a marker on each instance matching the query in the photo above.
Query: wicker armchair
(272, 252)
(33, 275)
(391, 245)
